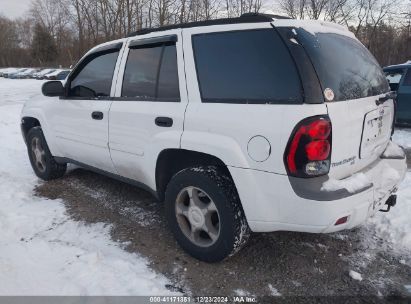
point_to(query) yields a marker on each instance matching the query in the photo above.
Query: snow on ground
(395, 226)
(403, 137)
(274, 291)
(355, 275)
(42, 251)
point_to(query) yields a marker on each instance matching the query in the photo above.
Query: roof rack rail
(244, 18)
(268, 16)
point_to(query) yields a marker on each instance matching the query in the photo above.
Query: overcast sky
(14, 8)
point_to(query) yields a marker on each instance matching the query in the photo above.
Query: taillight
(308, 151)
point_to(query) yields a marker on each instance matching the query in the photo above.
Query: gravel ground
(281, 263)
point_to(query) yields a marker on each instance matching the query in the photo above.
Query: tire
(209, 191)
(43, 163)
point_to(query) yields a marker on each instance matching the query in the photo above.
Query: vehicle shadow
(286, 263)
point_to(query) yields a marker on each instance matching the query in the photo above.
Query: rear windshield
(344, 65)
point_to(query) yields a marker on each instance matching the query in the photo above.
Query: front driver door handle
(97, 115)
(164, 121)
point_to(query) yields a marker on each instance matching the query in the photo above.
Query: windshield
(344, 65)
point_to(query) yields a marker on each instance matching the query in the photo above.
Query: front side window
(96, 76)
(151, 74)
(251, 66)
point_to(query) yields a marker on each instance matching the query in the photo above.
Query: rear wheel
(204, 213)
(43, 163)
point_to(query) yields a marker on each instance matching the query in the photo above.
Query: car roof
(312, 26)
(244, 18)
(398, 66)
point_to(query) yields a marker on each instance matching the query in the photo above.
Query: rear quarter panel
(224, 130)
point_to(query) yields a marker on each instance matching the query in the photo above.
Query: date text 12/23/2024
(203, 299)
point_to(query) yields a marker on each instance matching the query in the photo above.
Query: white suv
(257, 123)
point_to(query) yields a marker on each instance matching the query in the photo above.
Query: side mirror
(52, 89)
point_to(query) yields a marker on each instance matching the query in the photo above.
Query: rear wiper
(389, 95)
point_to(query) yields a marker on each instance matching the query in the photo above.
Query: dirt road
(282, 263)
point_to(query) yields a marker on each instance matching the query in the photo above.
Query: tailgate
(361, 132)
(352, 83)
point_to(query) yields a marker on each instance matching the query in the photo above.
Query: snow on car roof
(315, 26)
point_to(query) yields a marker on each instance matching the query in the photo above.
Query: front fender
(37, 113)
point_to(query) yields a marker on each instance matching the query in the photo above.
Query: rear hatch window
(352, 82)
(343, 65)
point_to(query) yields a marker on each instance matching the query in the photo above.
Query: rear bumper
(271, 202)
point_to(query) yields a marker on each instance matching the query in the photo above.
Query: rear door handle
(97, 115)
(164, 121)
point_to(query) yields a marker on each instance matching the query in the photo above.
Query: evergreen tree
(43, 46)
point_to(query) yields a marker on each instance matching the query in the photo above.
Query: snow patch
(352, 184)
(241, 292)
(402, 137)
(393, 150)
(395, 226)
(314, 26)
(43, 251)
(274, 292)
(355, 275)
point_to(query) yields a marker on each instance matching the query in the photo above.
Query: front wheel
(205, 214)
(43, 163)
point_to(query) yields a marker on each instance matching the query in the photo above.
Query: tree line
(59, 32)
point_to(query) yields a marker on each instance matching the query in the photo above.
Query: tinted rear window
(252, 66)
(151, 74)
(140, 75)
(168, 86)
(344, 65)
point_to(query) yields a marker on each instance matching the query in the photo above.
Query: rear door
(147, 114)
(352, 82)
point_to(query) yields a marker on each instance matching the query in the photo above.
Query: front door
(80, 119)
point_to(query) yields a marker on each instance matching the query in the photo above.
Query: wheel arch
(171, 161)
(27, 123)
(34, 117)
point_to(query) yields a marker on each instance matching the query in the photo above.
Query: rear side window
(344, 65)
(252, 66)
(151, 74)
(394, 76)
(95, 78)
(168, 77)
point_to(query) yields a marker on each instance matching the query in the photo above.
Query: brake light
(319, 129)
(308, 152)
(318, 150)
